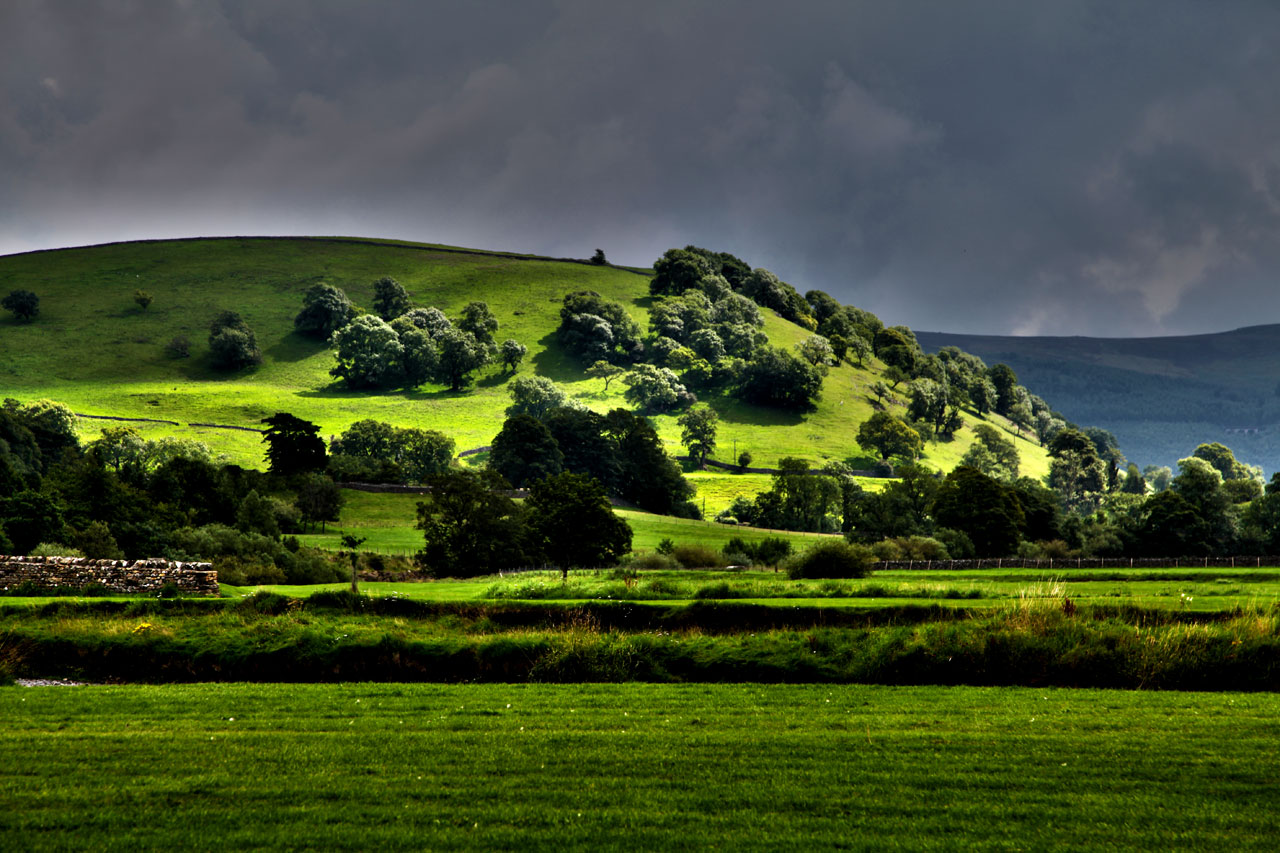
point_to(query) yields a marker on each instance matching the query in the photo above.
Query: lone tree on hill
(512, 353)
(232, 343)
(24, 304)
(143, 298)
(293, 445)
(606, 371)
(698, 432)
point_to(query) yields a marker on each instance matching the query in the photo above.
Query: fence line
(1082, 563)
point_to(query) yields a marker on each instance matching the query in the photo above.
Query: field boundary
(1251, 562)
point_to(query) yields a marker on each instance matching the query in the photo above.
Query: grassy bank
(339, 637)
(347, 767)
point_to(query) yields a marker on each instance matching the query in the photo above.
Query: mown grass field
(592, 767)
(119, 367)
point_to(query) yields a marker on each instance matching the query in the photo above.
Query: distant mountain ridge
(1161, 396)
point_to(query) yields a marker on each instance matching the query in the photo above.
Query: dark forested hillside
(1160, 396)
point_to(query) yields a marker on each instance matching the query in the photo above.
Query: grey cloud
(990, 167)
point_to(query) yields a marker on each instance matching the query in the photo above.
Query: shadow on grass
(199, 368)
(738, 412)
(554, 363)
(494, 379)
(337, 390)
(295, 347)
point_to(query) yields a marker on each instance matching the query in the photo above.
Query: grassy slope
(387, 523)
(94, 349)
(591, 767)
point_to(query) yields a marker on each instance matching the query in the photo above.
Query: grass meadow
(636, 766)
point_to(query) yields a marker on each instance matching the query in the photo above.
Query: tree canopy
(293, 445)
(572, 523)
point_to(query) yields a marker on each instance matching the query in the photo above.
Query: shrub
(771, 551)
(911, 548)
(697, 557)
(835, 559)
(957, 543)
(54, 549)
(179, 347)
(652, 561)
(267, 603)
(238, 571)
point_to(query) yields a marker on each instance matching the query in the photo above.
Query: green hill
(1160, 396)
(93, 348)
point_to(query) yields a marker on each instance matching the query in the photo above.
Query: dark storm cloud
(994, 166)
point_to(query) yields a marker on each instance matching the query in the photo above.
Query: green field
(120, 369)
(347, 767)
(386, 521)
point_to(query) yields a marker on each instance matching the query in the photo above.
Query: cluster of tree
(593, 328)
(1215, 505)
(619, 450)
(402, 346)
(939, 387)
(706, 325)
(471, 527)
(700, 327)
(123, 496)
(798, 499)
(682, 270)
(370, 451)
(968, 512)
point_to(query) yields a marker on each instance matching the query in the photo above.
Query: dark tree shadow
(736, 411)
(295, 347)
(494, 379)
(554, 363)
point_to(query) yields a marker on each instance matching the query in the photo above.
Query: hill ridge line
(351, 241)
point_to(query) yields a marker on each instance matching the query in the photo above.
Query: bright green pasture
(94, 349)
(636, 767)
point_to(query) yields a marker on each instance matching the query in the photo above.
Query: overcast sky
(1104, 168)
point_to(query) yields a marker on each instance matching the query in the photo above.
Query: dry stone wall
(115, 575)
